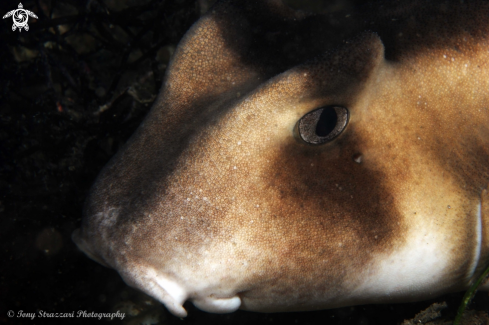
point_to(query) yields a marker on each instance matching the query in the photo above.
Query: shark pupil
(326, 122)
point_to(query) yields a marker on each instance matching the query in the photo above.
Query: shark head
(288, 167)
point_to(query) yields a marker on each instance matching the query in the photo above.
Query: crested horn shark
(281, 171)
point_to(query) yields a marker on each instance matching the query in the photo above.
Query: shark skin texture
(222, 197)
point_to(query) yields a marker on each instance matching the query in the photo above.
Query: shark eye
(323, 124)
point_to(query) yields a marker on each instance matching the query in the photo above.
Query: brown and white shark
(275, 173)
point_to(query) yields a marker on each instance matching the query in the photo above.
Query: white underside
(416, 270)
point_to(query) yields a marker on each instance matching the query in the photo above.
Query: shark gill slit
(478, 244)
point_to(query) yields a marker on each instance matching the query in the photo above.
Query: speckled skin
(216, 200)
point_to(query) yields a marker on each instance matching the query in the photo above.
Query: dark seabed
(73, 89)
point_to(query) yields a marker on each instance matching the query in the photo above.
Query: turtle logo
(20, 17)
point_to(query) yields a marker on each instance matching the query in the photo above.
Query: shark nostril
(323, 124)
